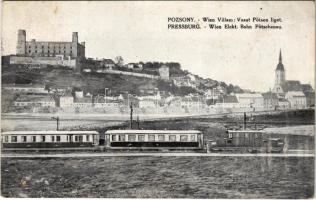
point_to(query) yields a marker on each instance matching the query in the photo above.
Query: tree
(119, 61)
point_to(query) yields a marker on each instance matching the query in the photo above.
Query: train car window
(230, 135)
(141, 138)
(256, 136)
(246, 135)
(161, 138)
(43, 138)
(57, 138)
(172, 138)
(76, 138)
(33, 138)
(53, 138)
(183, 138)
(192, 137)
(14, 138)
(6, 139)
(151, 138)
(113, 137)
(87, 138)
(23, 138)
(122, 138)
(80, 138)
(131, 138)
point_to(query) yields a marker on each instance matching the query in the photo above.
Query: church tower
(279, 77)
(279, 72)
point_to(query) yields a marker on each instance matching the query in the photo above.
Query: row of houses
(36, 95)
(267, 101)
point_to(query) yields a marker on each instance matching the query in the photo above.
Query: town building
(251, 100)
(270, 101)
(148, 103)
(213, 93)
(310, 98)
(296, 99)
(66, 101)
(83, 102)
(107, 63)
(34, 101)
(283, 104)
(26, 88)
(228, 102)
(181, 81)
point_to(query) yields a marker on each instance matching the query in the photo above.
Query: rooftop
(48, 132)
(152, 132)
(35, 98)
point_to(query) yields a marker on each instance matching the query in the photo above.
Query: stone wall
(109, 71)
(43, 60)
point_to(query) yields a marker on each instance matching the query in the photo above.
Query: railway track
(135, 154)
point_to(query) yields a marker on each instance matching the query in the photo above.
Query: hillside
(95, 83)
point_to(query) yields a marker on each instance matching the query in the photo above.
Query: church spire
(280, 65)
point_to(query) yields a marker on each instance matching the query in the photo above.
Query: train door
(70, 138)
(95, 139)
(107, 140)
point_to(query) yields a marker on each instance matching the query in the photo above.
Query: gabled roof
(228, 99)
(248, 95)
(107, 61)
(270, 95)
(295, 94)
(292, 85)
(309, 94)
(84, 100)
(307, 87)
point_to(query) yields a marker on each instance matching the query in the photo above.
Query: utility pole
(131, 117)
(138, 122)
(57, 122)
(245, 118)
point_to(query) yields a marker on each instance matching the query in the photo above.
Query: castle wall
(109, 71)
(43, 60)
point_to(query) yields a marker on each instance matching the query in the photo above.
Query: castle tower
(75, 37)
(20, 48)
(164, 72)
(280, 72)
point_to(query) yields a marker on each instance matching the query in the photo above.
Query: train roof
(153, 132)
(48, 132)
(245, 131)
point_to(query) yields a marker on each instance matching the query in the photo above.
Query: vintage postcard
(158, 99)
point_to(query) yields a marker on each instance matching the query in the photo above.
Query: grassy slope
(62, 77)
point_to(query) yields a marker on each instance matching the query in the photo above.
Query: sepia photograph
(158, 99)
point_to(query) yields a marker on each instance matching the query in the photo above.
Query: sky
(138, 31)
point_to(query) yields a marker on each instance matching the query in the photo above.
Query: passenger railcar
(154, 139)
(49, 139)
(246, 140)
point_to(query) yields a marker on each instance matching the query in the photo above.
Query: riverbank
(159, 177)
